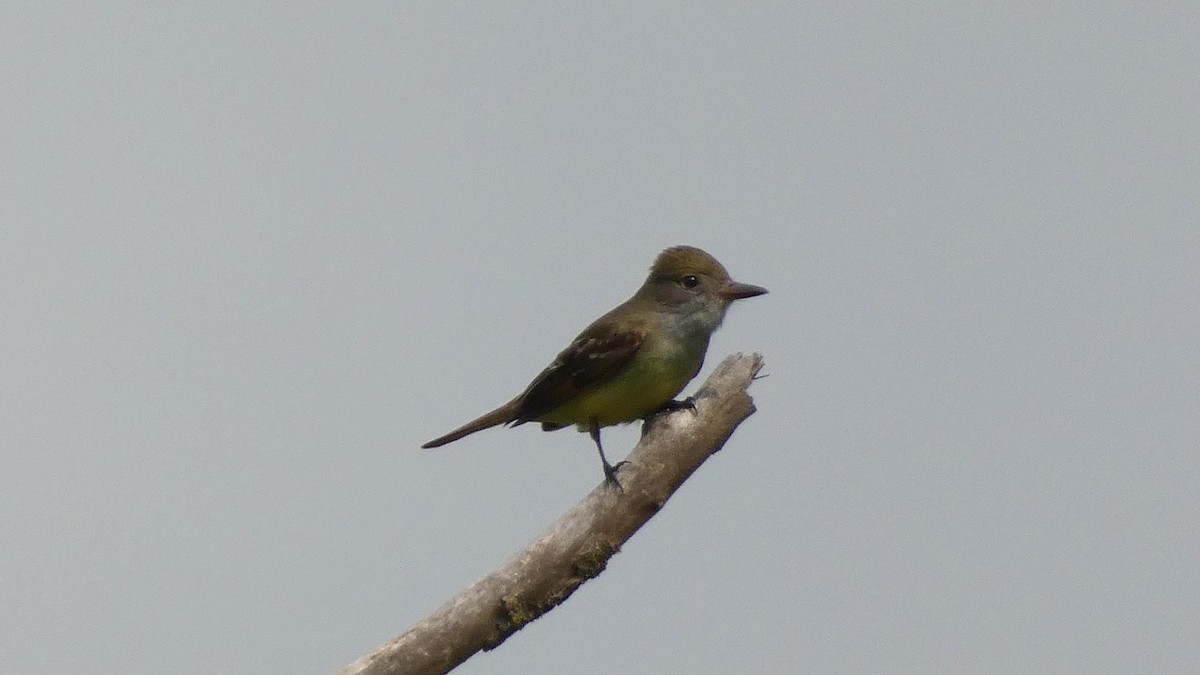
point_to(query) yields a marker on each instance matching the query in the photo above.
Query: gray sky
(252, 256)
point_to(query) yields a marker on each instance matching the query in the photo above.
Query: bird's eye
(690, 281)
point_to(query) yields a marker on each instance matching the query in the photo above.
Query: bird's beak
(735, 291)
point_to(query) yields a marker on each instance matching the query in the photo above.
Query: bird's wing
(599, 353)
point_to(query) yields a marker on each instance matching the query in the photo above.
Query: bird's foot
(688, 403)
(667, 408)
(610, 474)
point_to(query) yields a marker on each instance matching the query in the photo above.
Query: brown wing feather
(600, 352)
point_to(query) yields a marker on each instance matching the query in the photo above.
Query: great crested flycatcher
(632, 361)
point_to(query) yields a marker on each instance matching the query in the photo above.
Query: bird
(631, 362)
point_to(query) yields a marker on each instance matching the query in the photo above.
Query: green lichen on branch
(592, 559)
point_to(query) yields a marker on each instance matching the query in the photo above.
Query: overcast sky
(251, 256)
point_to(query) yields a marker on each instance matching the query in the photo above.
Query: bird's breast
(659, 371)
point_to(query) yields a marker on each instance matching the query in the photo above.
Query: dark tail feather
(501, 415)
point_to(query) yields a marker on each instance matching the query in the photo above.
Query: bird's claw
(610, 474)
(688, 403)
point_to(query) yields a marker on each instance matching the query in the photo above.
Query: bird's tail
(501, 415)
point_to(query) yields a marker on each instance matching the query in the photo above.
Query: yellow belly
(654, 377)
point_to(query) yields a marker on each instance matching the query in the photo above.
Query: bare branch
(577, 546)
